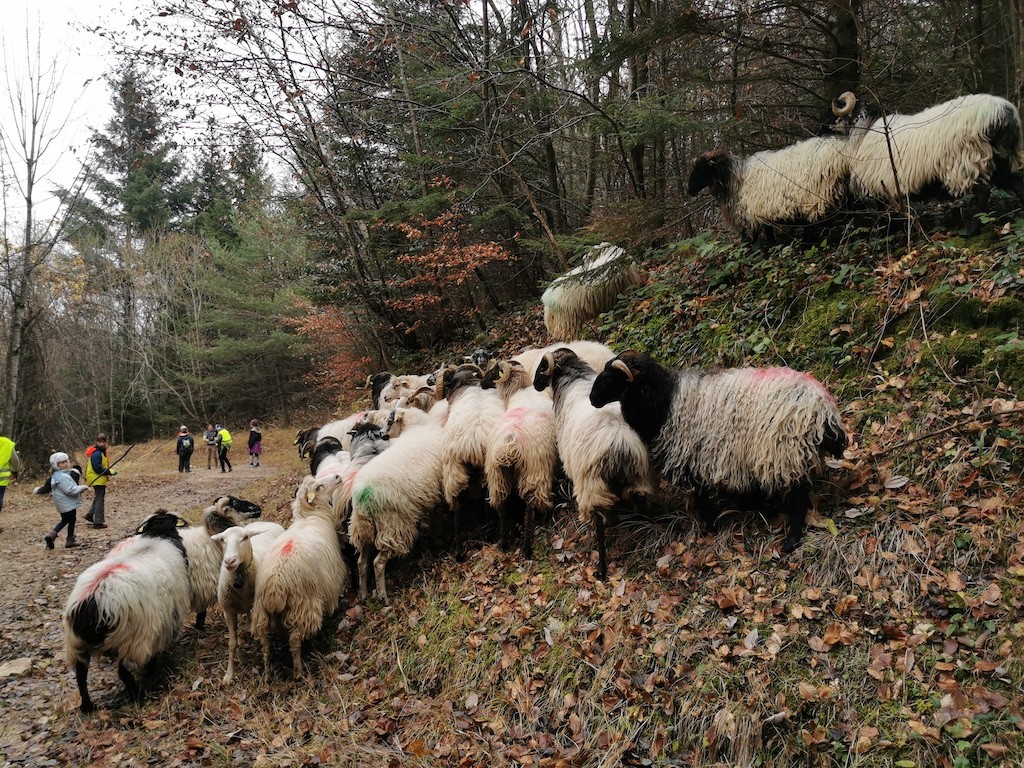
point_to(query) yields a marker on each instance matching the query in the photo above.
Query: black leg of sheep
(82, 678)
(602, 549)
(797, 500)
(130, 683)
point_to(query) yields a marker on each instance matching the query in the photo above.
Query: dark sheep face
(609, 386)
(162, 524)
(710, 170)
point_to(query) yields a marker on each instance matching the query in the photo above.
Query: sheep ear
(621, 366)
(181, 523)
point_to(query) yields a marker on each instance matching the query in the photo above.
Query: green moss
(949, 311)
(1006, 313)
(1006, 363)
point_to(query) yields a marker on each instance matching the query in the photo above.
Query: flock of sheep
(967, 144)
(490, 433)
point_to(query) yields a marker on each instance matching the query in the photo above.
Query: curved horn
(621, 366)
(844, 104)
(547, 363)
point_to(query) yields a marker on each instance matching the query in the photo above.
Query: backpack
(186, 443)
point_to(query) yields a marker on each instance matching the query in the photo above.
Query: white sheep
(244, 550)
(588, 290)
(302, 577)
(741, 431)
(523, 451)
(604, 459)
(395, 491)
(798, 184)
(131, 604)
(205, 554)
(473, 416)
(368, 441)
(962, 144)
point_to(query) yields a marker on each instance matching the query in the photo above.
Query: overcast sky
(54, 26)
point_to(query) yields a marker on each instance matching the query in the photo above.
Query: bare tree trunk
(843, 68)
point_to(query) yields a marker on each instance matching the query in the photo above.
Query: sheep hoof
(789, 547)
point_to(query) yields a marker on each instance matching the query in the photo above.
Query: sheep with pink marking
(129, 605)
(742, 431)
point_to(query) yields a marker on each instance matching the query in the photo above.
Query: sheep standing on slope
(236, 586)
(799, 184)
(588, 290)
(523, 450)
(394, 493)
(741, 431)
(964, 144)
(205, 554)
(473, 415)
(303, 575)
(605, 459)
(368, 441)
(131, 604)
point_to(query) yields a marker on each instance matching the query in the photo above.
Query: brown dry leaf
(807, 691)
(819, 645)
(864, 740)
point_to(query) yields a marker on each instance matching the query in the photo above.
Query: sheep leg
(82, 678)
(130, 683)
(602, 549)
(706, 509)
(265, 642)
(200, 621)
(379, 564)
(798, 500)
(295, 645)
(232, 619)
(364, 571)
(528, 515)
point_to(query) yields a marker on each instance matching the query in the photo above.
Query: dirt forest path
(36, 581)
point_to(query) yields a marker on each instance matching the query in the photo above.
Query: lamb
(395, 492)
(205, 554)
(523, 452)
(606, 461)
(588, 290)
(131, 604)
(964, 144)
(473, 416)
(798, 184)
(740, 431)
(244, 550)
(303, 575)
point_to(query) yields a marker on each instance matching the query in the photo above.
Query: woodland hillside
(892, 637)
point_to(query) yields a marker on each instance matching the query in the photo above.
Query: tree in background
(29, 247)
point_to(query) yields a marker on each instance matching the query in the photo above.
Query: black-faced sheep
(523, 450)
(368, 441)
(740, 431)
(131, 604)
(305, 439)
(606, 461)
(964, 144)
(395, 492)
(244, 550)
(303, 575)
(593, 353)
(798, 184)
(588, 290)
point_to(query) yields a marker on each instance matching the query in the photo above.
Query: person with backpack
(186, 444)
(97, 473)
(210, 437)
(223, 446)
(255, 443)
(67, 497)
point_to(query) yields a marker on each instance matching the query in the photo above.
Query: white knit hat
(57, 458)
(183, 428)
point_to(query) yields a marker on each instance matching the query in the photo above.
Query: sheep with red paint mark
(130, 605)
(742, 431)
(522, 452)
(303, 575)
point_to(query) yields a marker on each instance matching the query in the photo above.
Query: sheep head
(550, 365)
(712, 169)
(614, 380)
(162, 524)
